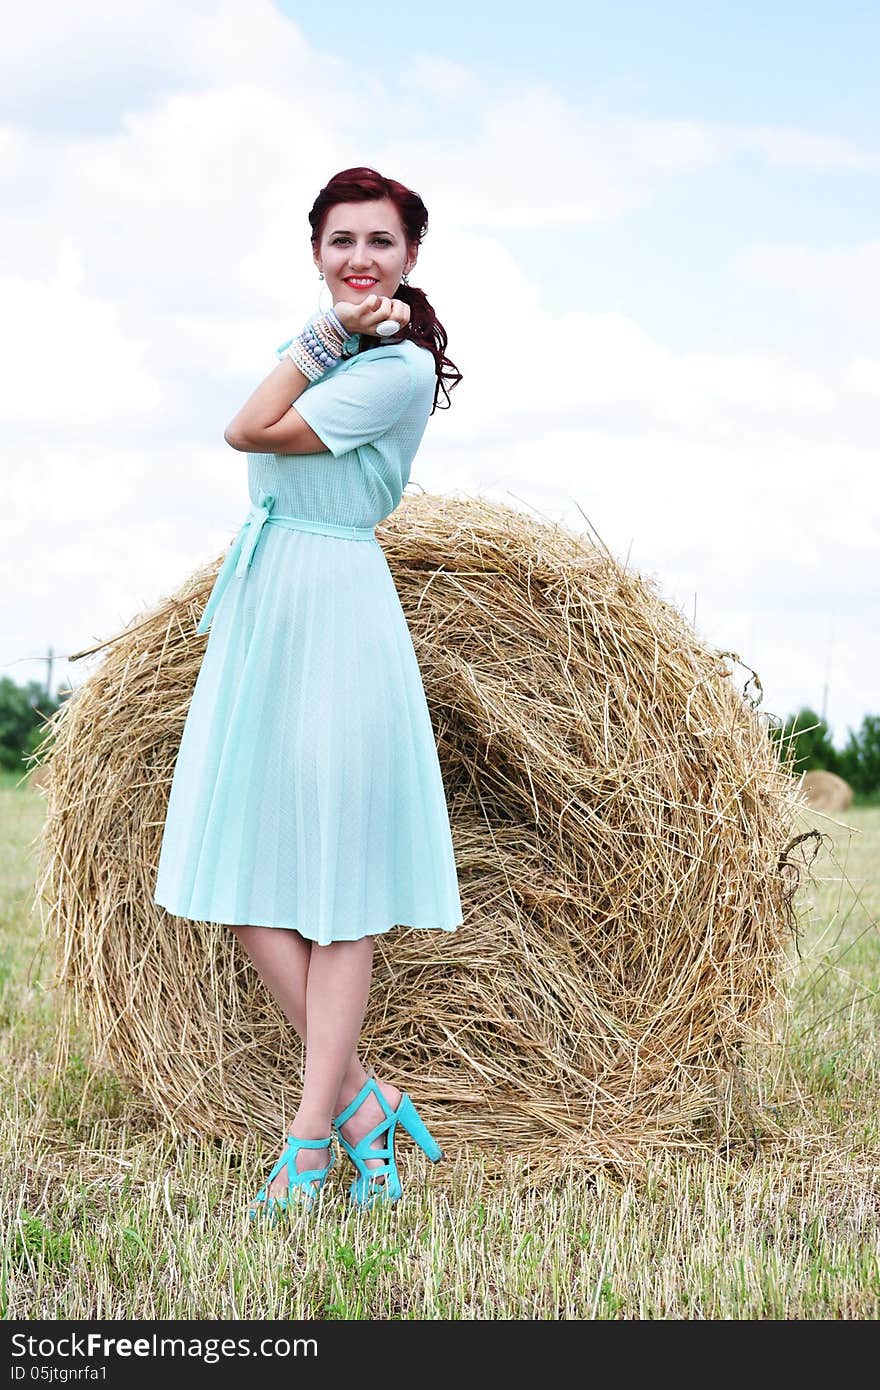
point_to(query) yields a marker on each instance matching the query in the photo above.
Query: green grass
(107, 1216)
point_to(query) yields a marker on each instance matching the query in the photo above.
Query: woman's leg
(284, 961)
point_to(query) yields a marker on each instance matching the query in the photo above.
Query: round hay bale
(619, 817)
(825, 791)
(38, 776)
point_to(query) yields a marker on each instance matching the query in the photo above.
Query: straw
(621, 820)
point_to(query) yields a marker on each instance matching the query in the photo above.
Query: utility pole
(49, 661)
(827, 669)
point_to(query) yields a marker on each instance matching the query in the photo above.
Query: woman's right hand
(363, 317)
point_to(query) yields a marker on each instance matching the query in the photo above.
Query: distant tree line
(858, 762)
(24, 710)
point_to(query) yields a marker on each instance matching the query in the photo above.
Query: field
(106, 1216)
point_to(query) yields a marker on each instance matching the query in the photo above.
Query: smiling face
(362, 250)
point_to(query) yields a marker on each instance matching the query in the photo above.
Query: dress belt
(240, 553)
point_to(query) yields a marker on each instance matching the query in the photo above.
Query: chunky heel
(382, 1183)
(409, 1117)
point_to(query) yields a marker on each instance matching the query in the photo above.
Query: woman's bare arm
(267, 422)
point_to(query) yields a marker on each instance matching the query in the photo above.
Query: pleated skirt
(307, 792)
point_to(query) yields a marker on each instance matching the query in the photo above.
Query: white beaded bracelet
(300, 357)
(318, 347)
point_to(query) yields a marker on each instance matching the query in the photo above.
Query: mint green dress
(307, 791)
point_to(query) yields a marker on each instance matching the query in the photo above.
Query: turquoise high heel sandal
(383, 1182)
(306, 1185)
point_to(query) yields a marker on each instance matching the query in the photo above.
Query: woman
(307, 809)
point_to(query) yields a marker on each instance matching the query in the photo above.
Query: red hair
(361, 186)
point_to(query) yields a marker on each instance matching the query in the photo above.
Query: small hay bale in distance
(619, 816)
(825, 791)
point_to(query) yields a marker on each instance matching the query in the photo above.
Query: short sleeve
(356, 404)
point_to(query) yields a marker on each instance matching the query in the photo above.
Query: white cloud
(68, 363)
(434, 76)
(594, 364)
(200, 203)
(532, 159)
(799, 149)
(842, 279)
(864, 375)
(77, 68)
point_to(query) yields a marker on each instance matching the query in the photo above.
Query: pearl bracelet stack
(317, 347)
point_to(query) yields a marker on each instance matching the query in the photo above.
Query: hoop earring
(322, 308)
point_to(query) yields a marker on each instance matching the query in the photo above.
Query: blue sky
(679, 202)
(807, 66)
(790, 60)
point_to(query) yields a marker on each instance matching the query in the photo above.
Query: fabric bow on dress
(239, 555)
